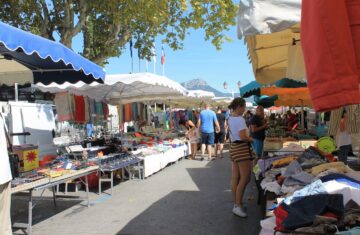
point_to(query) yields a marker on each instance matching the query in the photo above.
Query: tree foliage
(108, 25)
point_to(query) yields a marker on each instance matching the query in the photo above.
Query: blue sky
(198, 59)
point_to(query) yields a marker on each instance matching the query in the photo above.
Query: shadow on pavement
(206, 211)
(44, 210)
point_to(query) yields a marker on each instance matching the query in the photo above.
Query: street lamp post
(232, 90)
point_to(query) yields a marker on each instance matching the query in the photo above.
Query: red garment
(330, 39)
(280, 214)
(79, 109)
(106, 110)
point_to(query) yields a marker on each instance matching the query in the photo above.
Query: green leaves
(108, 25)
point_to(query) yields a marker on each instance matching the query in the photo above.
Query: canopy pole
(302, 115)
(16, 92)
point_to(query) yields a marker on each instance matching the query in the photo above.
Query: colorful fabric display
(62, 103)
(106, 110)
(128, 113)
(79, 109)
(283, 161)
(303, 212)
(99, 109)
(339, 166)
(87, 110)
(134, 109)
(92, 110)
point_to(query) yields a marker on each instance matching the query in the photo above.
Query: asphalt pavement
(188, 197)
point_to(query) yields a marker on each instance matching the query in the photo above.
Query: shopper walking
(206, 122)
(258, 125)
(193, 136)
(220, 136)
(343, 139)
(240, 153)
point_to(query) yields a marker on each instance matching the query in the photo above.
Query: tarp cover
(267, 16)
(123, 88)
(277, 55)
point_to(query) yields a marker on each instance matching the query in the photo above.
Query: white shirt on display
(5, 171)
(236, 124)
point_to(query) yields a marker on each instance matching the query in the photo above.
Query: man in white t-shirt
(5, 185)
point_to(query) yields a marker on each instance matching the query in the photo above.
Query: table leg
(100, 181)
(87, 190)
(30, 213)
(139, 171)
(54, 195)
(112, 183)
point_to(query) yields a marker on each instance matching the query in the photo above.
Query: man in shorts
(220, 136)
(258, 126)
(206, 123)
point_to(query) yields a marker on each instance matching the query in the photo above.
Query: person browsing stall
(193, 136)
(258, 126)
(343, 139)
(206, 123)
(220, 136)
(240, 153)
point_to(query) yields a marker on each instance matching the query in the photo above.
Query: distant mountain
(199, 84)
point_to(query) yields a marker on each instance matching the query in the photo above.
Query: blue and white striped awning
(48, 61)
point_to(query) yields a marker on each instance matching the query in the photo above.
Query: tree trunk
(88, 37)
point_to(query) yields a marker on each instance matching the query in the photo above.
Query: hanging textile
(330, 38)
(72, 105)
(128, 113)
(134, 111)
(105, 110)
(353, 120)
(62, 103)
(120, 114)
(79, 109)
(99, 109)
(92, 110)
(139, 111)
(87, 109)
(177, 119)
(123, 112)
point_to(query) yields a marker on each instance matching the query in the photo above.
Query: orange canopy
(289, 96)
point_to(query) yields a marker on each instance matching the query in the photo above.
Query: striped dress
(238, 151)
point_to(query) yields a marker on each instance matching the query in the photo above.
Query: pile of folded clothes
(327, 201)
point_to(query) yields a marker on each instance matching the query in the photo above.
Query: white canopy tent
(200, 94)
(122, 88)
(267, 16)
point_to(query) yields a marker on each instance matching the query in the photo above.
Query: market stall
(157, 148)
(27, 58)
(307, 191)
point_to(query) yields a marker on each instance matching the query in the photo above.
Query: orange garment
(330, 38)
(128, 113)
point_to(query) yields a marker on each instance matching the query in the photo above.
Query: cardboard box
(28, 157)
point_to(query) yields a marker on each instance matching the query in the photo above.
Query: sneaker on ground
(239, 212)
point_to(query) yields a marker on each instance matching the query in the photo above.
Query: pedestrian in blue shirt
(206, 123)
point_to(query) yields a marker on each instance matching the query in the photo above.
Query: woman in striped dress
(240, 153)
